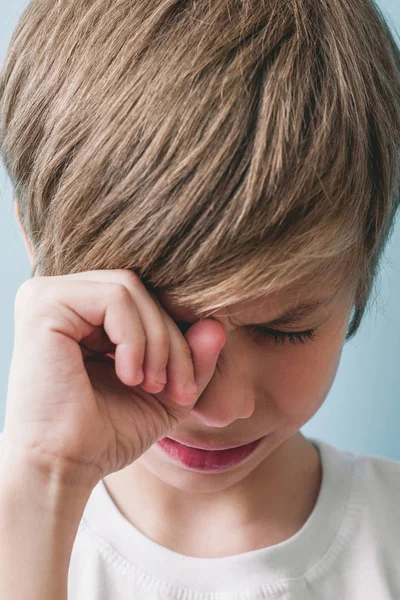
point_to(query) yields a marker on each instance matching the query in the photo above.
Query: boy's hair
(223, 150)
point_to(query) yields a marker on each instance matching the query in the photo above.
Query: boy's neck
(271, 506)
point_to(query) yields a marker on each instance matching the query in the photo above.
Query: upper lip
(203, 446)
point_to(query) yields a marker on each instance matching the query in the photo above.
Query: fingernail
(192, 393)
(192, 388)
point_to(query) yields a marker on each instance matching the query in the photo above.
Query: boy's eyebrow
(294, 313)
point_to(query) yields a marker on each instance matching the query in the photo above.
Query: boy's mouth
(206, 460)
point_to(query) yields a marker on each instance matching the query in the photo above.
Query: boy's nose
(222, 408)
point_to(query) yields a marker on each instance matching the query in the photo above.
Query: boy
(243, 159)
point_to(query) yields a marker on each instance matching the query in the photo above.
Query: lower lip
(206, 460)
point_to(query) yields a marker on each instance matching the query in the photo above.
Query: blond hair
(222, 150)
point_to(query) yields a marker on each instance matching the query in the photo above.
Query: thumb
(206, 339)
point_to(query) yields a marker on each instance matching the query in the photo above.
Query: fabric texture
(348, 549)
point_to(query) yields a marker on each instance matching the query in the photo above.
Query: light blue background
(362, 410)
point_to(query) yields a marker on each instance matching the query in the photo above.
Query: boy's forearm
(39, 519)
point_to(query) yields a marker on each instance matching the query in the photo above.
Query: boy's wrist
(39, 520)
(46, 469)
(47, 490)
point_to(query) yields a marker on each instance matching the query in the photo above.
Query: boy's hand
(76, 413)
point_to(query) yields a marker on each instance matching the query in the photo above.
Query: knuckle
(130, 277)
(31, 294)
(27, 288)
(182, 393)
(31, 306)
(120, 292)
(130, 281)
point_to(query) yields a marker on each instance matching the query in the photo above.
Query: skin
(260, 388)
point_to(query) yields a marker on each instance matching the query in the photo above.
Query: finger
(78, 306)
(206, 339)
(157, 348)
(170, 351)
(156, 354)
(181, 385)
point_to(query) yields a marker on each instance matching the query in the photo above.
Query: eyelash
(280, 337)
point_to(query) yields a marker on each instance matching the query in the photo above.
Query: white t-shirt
(349, 548)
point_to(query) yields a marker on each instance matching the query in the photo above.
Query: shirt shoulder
(377, 493)
(382, 485)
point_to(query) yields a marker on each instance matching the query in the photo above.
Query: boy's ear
(27, 241)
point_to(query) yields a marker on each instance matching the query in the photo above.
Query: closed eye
(280, 337)
(259, 332)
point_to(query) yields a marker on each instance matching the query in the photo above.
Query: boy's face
(260, 388)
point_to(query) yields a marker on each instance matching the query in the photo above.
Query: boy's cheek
(295, 385)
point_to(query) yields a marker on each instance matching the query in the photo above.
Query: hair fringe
(222, 151)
